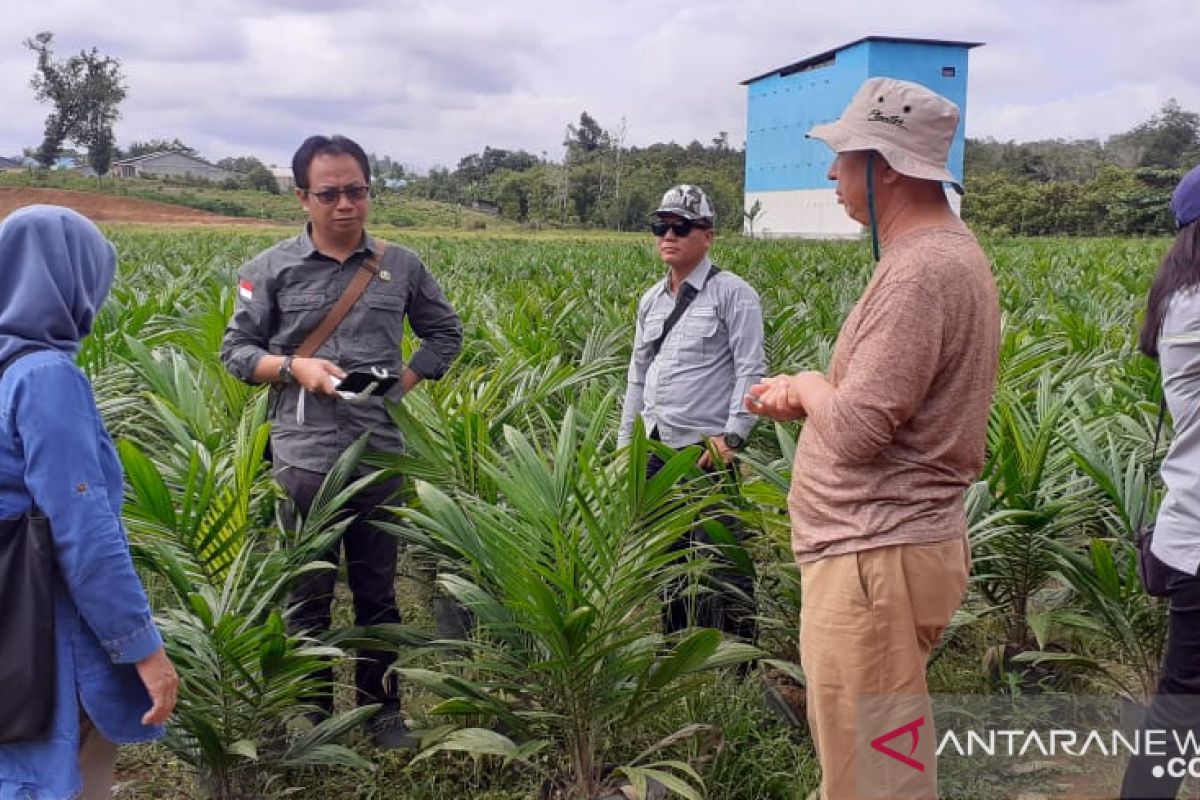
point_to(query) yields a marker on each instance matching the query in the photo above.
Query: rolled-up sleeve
(897, 350)
(745, 322)
(65, 476)
(437, 325)
(246, 336)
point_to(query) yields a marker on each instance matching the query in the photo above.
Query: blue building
(786, 172)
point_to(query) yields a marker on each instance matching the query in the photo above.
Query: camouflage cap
(687, 201)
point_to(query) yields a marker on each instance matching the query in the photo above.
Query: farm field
(153, 200)
(522, 504)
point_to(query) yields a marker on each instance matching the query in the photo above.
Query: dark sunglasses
(328, 197)
(681, 228)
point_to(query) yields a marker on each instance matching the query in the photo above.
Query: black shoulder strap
(1158, 426)
(4, 365)
(687, 293)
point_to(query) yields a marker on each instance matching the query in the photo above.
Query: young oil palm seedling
(1034, 502)
(243, 677)
(452, 430)
(566, 577)
(1120, 631)
(779, 595)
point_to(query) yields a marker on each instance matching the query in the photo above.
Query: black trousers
(728, 603)
(371, 557)
(1175, 707)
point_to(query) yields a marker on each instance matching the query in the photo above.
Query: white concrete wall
(809, 214)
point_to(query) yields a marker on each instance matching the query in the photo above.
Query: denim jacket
(54, 450)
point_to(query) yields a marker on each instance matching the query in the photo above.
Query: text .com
(1178, 768)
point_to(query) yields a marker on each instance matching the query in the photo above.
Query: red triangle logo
(914, 728)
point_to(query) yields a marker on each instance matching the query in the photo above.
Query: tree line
(1085, 187)
(1117, 187)
(599, 182)
(1080, 187)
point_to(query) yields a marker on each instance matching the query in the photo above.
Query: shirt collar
(698, 277)
(367, 244)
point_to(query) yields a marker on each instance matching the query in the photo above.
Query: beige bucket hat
(911, 126)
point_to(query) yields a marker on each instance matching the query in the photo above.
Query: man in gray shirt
(687, 378)
(283, 294)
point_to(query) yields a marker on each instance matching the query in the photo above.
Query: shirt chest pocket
(301, 301)
(379, 327)
(652, 328)
(300, 312)
(701, 331)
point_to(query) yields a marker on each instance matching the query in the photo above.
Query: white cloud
(429, 82)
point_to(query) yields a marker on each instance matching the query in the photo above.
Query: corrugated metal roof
(159, 154)
(803, 64)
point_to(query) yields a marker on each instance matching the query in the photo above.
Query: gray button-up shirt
(285, 291)
(712, 356)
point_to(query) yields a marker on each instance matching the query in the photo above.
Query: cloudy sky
(429, 82)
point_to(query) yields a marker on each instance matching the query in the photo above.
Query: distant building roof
(160, 154)
(805, 63)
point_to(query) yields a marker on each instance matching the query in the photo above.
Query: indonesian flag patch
(246, 289)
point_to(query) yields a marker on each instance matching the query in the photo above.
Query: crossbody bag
(27, 668)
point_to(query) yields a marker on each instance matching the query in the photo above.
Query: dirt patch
(100, 207)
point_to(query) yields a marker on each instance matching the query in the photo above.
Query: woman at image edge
(1171, 334)
(114, 684)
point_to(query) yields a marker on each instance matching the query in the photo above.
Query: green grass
(388, 208)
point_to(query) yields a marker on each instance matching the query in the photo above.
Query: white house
(169, 164)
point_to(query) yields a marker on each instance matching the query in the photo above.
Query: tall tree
(588, 135)
(85, 90)
(1161, 141)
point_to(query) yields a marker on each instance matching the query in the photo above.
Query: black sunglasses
(328, 197)
(681, 228)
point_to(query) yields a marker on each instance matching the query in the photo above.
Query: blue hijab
(55, 271)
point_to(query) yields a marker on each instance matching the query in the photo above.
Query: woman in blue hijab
(114, 683)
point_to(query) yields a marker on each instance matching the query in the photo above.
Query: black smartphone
(358, 381)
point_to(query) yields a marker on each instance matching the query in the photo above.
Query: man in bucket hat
(894, 434)
(698, 348)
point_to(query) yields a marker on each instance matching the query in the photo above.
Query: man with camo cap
(697, 349)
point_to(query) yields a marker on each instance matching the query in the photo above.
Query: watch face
(734, 441)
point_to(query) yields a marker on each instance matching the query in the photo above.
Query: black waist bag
(27, 665)
(1154, 574)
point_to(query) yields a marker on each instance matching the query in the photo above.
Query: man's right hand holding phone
(317, 375)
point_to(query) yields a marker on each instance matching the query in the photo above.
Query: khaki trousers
(97, 761)
(868, 623)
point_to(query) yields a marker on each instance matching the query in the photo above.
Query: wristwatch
(734, 442)
(285, 370)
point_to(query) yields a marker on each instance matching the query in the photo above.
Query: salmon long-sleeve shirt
(888, 458)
